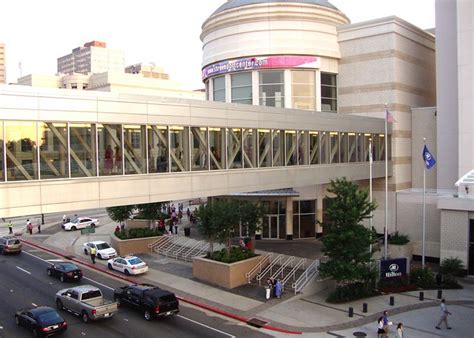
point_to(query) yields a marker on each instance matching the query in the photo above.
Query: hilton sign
(392, 268)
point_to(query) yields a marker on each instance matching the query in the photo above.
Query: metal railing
(311, 272)
(173, 243)
(281, 269)
(258, 268)
(299, 265)
(269, 268)
(158, 242)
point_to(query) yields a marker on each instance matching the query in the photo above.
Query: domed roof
(240, 3)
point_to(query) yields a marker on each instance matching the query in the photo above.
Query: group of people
(112, 162)
(29, 226)
(276, 288)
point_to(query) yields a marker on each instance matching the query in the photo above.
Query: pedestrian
(386, 322)
(10, 227)
(170, 226)
(93, 252)
(64, 219)
(400, 330)
(175, 227)
(268, 289)
(278, 289)
(380, 330)
(29, 226)
(443, 315)
(188, 213)
(38, 226)
(117, 229)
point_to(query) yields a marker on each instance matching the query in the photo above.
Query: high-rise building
(3, 73)
(94, 57)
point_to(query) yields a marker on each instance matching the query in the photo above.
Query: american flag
(389, 117)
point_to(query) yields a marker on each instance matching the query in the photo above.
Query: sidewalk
(309, 314)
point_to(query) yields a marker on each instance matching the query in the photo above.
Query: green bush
(423, 278)
(453, 266)
(237, 254)
(398, 239)
(350, 292)
(138, 233)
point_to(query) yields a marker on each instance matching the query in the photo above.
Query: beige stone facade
(3, 72)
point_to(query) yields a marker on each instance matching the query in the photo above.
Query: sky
(166, 33)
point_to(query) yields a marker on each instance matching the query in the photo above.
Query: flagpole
(370, 191)
(386, 186)
(424, 212)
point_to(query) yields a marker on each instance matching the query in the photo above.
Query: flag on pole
(428, 158)
(389, 117)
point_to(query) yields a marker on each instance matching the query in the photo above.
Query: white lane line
(34, 304)
(207, 326)
(23, 270)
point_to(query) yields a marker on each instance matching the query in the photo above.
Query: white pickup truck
(86, 301)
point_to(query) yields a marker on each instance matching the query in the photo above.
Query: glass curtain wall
(352, 156)
(53, 150)
(250, 147)
(302, 89)
(344, 147)
(278, 146)
(218, 84)
(110, 149)
(234, 148)
(360, 148)
(271, 89)
(134, 141)
(290, 147)
(83, 155)
(264, 148)
(199, 149)
(314, 147)
(158, 158)
(381, 146)
(324, 147)
(328, 93)
(304, 219)
(334, 150)
(21, 151)
(303, 147)
(241, 88)
(367, 138)
(179, 148)
(217, 148)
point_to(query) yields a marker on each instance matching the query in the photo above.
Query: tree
(150, 211)
(121, 213)
(250, 216)
(346, 241)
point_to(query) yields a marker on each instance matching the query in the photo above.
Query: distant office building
(3, 73)
(147, 71)
(94, 57)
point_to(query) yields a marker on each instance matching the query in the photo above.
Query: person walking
(278, 289)
(38, 225)
(10, 227)
(380, 330)
(400, 330)
(93, 252)
(386, 322)
(443, 315)
(29, 226)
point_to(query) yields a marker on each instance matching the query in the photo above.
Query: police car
(129, 265)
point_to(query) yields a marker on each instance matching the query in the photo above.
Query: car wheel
(86, 252)
(99, 256)
(92, 225)
(109, 266)
(73, 228)
(85, 317)
(147, 315)
(127, 273)
(49, 272)
(59, 304)
(61, 278)
(17, 320)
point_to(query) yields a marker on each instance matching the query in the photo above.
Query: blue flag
(428, 158)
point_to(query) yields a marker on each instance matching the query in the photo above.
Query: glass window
(53, 150)
(241, 88)
(328, 92)
(375, 147)
(344, 147)
(217, 148)
(366, 141)
(134, 140)
(302, 89)
(219, 88)
(314, 147)
(360, 147)
(199, 150)
(334, 147)
(303, 146)
(250, 147)
(179, 148)
(278, 146)
(271, 92)
(158, 149)
(290, 147)
(264, 148)
(83, 150)
(21, 150)
(207, 90)
(381, 146)
(110, 149)
(352, 156)
(234, 148)
(324, 147)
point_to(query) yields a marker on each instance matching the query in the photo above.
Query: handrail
(310, 273)
(158, 242)
(269, 268)
(184, 246)
(296, 267)
(186, 254)
(283, 266)
(174, 244)
(258, 268)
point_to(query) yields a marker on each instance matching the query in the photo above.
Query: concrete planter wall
(129, 246)
(137, 223)
(226, 275)
(397, 251)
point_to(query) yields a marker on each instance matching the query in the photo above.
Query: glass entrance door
(270, 227)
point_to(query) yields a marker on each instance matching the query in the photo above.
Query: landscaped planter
(132, 246)
(137, 223)
(226, 275)
(399, 251)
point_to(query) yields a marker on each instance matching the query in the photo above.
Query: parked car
(149, 299)
(80, 223)
(43, 321)
(104, 250)
(86, 301)
(129, 265)
(9, 244)
(65, 271)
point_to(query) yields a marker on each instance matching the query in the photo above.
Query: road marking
(34, 304)
(23, 270)
(125, 319)
(54, 260)
(207, 326)
(1, 327)
(94, 281)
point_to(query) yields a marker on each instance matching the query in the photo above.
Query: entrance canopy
(467, 181)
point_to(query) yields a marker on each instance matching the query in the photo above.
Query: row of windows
(271, 89)
(48, 150)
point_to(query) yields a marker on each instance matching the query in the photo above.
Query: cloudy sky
(167, 33)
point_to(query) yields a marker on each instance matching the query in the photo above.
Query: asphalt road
(24, 282)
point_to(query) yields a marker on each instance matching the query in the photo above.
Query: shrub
(394, 285)
(138, 233)
(237, 254)
(423, 278)
(453, 266)
(398, 239)
(350, 292)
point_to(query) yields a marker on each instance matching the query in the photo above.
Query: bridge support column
(289, 218)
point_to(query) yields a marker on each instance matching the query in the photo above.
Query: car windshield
(13, 241)
(91, 294)
(75, 220)
(49, 317)
(102, 246)
(69, 267)
(134, 261)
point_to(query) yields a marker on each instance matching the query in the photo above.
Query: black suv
(149, 299)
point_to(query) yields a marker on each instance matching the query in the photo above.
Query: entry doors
(271, 227)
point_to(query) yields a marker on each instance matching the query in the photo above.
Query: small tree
(150, 211)
(346, 241)
(121, 213)
(250, 216)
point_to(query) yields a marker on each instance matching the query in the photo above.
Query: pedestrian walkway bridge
(63, 150)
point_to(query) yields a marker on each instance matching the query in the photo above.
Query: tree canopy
(121, 213)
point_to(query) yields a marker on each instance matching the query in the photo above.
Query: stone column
(289, 218)
(319, 215)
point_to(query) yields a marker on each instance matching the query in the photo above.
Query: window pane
(53, 150)
(250, 147)
(328, 79)
(290, 147)
(158, 149)
(179, 148)
(135, 149)
(328, 92)
(241, 88)
(344, 147)
(110, 149)
(334, 147)
(324, 147)
(352, 147)
(303, 93)
(234, 148)
(219, 88)
(303, 146)
(199, 154)
(21, 150)
(83, 150)
(217, 148)
(271, 89)
(278, 148)
(314, 147)
(264, 145)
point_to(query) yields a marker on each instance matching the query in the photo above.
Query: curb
(183, 299)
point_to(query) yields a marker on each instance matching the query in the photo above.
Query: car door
(135, 297)
(119, 264)
(30, 320)
(56, 270)
(75, 303)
